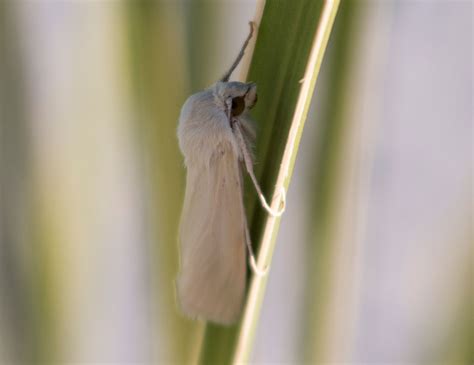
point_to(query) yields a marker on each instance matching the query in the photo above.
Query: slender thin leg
(249, 166)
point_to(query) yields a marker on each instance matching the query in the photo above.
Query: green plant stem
(289, 46)
(267, 244)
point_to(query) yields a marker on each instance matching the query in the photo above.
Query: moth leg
(248, 132)
(252, 260)
(249, 166)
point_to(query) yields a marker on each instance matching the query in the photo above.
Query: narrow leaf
(292, 38)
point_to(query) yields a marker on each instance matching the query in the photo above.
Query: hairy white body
(213, 229)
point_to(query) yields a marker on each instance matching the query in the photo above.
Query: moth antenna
(226, 76)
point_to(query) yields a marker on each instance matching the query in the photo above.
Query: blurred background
(374, 260)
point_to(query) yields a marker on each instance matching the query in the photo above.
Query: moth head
(239, 96)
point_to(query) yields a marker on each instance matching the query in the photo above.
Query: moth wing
(211, 283)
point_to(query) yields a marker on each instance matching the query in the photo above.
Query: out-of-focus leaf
(157, 36)
(327, 188)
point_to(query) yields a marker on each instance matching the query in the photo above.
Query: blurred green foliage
(160, 86)
(326, 179)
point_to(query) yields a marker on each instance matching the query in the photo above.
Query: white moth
(215, 134)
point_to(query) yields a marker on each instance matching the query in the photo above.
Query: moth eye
(238, 106)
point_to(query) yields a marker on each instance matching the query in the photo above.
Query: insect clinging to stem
(215, 136)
